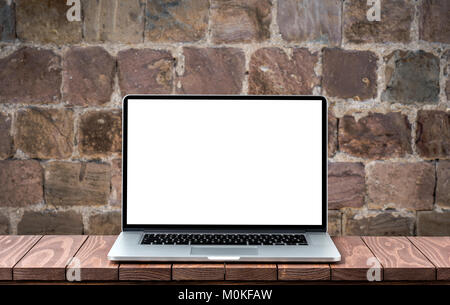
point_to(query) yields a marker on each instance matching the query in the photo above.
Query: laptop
(224, 178)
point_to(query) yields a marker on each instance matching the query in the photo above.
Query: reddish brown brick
(332, 134)
(272, 72)
(6, 143)
(377, 223)
(401, 185)
(346, 185)
(350, 74)
(443, 183)
(434, 22)
(109, 223)
(212, 71)
(30, 76)
(240, 20)
(88, 76)
(334, 223)
(116, 183)
(145, 71)
(7, 21)
(433, 223)
(44, 133)
(433, 134)
(50, 222)
(20, 183)
(375, 136)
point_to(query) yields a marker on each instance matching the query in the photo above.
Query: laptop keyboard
(225, 239)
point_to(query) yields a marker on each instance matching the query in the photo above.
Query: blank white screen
(224, 162)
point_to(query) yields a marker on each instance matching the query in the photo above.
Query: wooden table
(58, 258)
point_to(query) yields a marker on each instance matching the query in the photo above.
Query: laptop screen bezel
(226, 228)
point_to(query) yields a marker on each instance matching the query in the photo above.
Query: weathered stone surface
(433, 134)
(88, 76)
(411, 76)
(334, 223)
(240, 20)
(443, 184)
(381, 224)
(116, 183)
(395, 25)
(45, 21)
(145, 71)
(400, 185)
(109, 223)
(272, 72)
(44, 133)
(176, 20)
(433, 223)
(375, 136)
(434, 22)
(350, 74)
(4, 225)
(100, 133)
(6, 147)
(332, 134)
(114, 20)
(310, 21)
(212, 71)
(446, 57)
(69, 183)
(30, 76)
(20, 183)
(346, 185)
(50, 222)
(7, 21)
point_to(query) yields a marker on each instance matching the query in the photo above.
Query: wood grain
(48, 259)
(250, 272)
(145, 272)
(303, 272)
(12, 249)
(355, 260)
(437, 250)
(198, 272)
(92, 260)
(400, 259)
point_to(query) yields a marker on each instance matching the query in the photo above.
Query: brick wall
(387, 82)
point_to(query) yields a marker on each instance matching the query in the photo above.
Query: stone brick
(212, 71)
(411, 76)
(116, 183)
(350, 74)
(6, 149)
(100, 133)
(145, 71)
(374, 223)
(332, 135)
(434, 22)
(176, 20)
(50, 222)
(433, 223)
(334, 223)
(401, 185)
(240, 20)
(375, 136)
(446, 58)
(45, 21)
(30, 76)
(44, 133)
(7, 21)
(109, 223)
(4, 225)
(68, 184)
(20, 183)
(433, 134)
(88, 76)
(273, 72)
(114, 20)
(310, 21)
(396, 18)
(346, 185)
(443, 184)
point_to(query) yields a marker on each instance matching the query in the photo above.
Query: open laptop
(224, 178)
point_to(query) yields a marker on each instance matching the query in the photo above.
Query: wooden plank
(12, 249)
(437, 250)
(356, 260)
(198, 272)
(400, 259)
(48, 259)
(92, 260)
(303, 272)
(250, 272)
(145, 272)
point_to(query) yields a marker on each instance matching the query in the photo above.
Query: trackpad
(223, 251)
